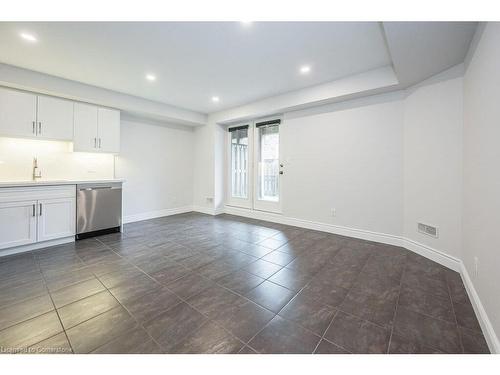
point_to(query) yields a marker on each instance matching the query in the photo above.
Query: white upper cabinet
(108, 125)
(23, 114)
(96, 129)
(27, 115)
(55, 118)
(85, 128)
(17, 113)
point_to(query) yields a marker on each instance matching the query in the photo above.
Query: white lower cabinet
(56, 218)
(17, 223)
(36, 214)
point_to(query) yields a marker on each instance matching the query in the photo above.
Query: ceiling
(237, 62)
(193, 62)
(422, 49)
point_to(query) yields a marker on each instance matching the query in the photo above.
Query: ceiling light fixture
(151, 77)
(28, 37)
(305, 69)
(215, 99)
(246, 23)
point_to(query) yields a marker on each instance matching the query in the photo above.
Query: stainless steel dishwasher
(98, 209)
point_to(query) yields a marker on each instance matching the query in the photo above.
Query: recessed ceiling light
(215, 99)
(151, 77)
(305, 69)
(28, 37)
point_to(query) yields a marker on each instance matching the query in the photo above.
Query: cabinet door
(56, 218)
(17, 113)
(109, 130)
(85, 127)
(17, 223)
(55, 118)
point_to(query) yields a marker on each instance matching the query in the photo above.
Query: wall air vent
(428, 230)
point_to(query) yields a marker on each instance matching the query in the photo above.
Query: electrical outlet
(334, 212)
(476, 266)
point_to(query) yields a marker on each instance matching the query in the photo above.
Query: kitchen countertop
(6, 184)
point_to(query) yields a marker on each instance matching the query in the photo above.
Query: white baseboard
(484, 321)
(208, 210)
(157, 213)
(432, 254)
(36, 246)
(204, 210)
(390, 239)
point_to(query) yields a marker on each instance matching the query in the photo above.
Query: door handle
(34, 208)
(95, 142)
(40, 213)
(34, 127)
(40, 127)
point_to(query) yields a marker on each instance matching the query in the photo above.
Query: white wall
(209, 170)
(383, 162)
(433, 163)
(204, 167)
(481, 180)
(157, 164)
(349, 158)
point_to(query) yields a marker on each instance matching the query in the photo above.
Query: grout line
(397, 304)
(182, 300)
(277, 314)
(53, 303)
(326, 330)
(120, 305)
(455, 315)
(345, 297)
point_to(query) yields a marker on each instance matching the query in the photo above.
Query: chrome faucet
(36, 172)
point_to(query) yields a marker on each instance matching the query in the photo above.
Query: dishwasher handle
(100, 188)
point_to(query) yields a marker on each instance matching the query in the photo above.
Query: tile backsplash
(56, 160)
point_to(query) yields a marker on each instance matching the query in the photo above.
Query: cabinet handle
(40, 209)
(34, 127)
(39, 128)
(99, 142)
(34, 208)
(95, 142)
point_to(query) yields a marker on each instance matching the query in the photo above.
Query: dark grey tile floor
(194, 283)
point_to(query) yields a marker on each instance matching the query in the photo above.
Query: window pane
(239, 163)
(269, 163)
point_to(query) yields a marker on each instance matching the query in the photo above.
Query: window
(239, 162)
(268, 159)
